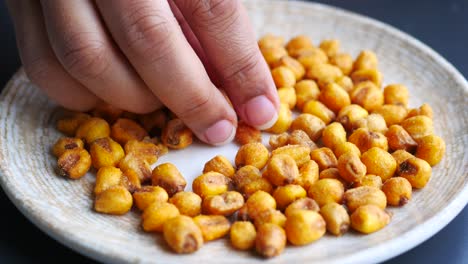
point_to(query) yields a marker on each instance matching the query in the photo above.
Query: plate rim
(382, 252)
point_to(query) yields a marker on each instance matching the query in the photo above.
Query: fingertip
(220, 133)
(260, 112)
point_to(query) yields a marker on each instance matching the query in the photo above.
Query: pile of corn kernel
(353, 150)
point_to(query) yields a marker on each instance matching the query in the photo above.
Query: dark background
(443, 25)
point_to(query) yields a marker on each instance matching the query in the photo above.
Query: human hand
(139, 54)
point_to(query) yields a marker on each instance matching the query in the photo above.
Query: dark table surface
(443, 25)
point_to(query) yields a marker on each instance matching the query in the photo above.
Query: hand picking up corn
(353, 149)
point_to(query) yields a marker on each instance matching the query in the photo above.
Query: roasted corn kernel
(168, 177)
(306, 90)
(148, 195)
(212, 226)
(107, 177)
(366, 60)
(351, 168)
(259, 202)
(270, 40)
(336, 218)
(418, 126)
(92, 129)
(369, 218)
(333, 135)
(154, 122)
(331, 173)
(291, 63)
(156, 214)
(400, 156)
(106, 152)
(364, 195)
(424, 109)
(397, 190)
(284, 120)
(220, 164)
(299, 137)
(273, 54)
(326, 191)
(324, 157)
(365, 139)
(300, 153)
(66, 143)
(393, 114)
(431, 148)
(344, 61)
(74, 163)
(242, 235)
(176, 135)
(135, 168)
(188, 203)
(330, 46)
(334, 97)
(324, 73)
(248, 180)
(210, 183)
(346, 147)
(270, 216)
(305, 203)
(285, 195)
(287, 95)
(367, 95)
(348, 115)
(304, 226)
(379, 162)
(396, 94)
(310, 124)
(364, 75)
(417, 171)
(308, 174)
(398, 138)
(281, 170)
(223, 204)
(125, 129)
(298, 43)
(309, 58)
(147, 150)
(283, 77)
(182, 234)
(70, 124)
(246, 134)
(114, 200)
(255, 154)
(369, 180)
(319, 110)
(270, 240)
(346, 83)
(279, 140)
(108, 112)
(373, 122)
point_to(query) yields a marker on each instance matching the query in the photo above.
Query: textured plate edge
(389, 249)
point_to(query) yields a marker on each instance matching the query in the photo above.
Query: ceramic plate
(63, 208)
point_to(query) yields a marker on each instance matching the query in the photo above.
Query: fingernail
(220, 133)
(260, 112)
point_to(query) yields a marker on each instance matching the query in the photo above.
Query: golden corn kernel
(168, 177)
(92, 129)
(417, 171)
(365, 139)
(279, 140)
(324, 73)
(366, 60)
(248, 179)
(135, 167)
(331, 173)
(424, 109)
(305, 90)
(259, 202)
(273, 54)
(182, 234)
(300, 153)
(398, 138)
(324, 157)
(125, 129)
(418, 126)
(304, 226)
(309, 58)
(284, 120)
(344, 61)
(369, 218)
(270, 40)
(188, 203)
(346, 147)
(114, 200)
(107, 112)
(330, 46)
(334, 97)
(287, 95)
(154, 122)
(393, 114)
(283, 77)
(379, 162)
(270, 216)
(107, 177)
(281, 170)
(431, 148)
(333, 135)
(299, 137)
(242, 235)
(346, 83)
(176, 135)
(308, 174)
(400, 156)
(270, 240)
(255, 154)
(148, 195)
(373, 122)
(156, 214)
(212, 226)
(70, 124)
(147, 150)
(351, 168)
(364, 195)
(326, 191)
(396, 94)
(223, 204)
(246, 134)
(66, 143)
(398, 191)
(348, 115)
(285, 195)
(297, 43)
(305, 203)
(369, 180)
(220, 164)
(106, 152)
(210, 183)
(367, 95)
(260, 184)
(364, 75)
(74, 163)
(310, 124)
(336, 218)
(319, 110)
(294, 65)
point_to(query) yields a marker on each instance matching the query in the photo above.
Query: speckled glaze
(63, 208)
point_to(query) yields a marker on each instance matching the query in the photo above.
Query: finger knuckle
(215, 15)
(84, 56)
(243, 69)
(148, 33)
(196, 105)
(37, 69)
